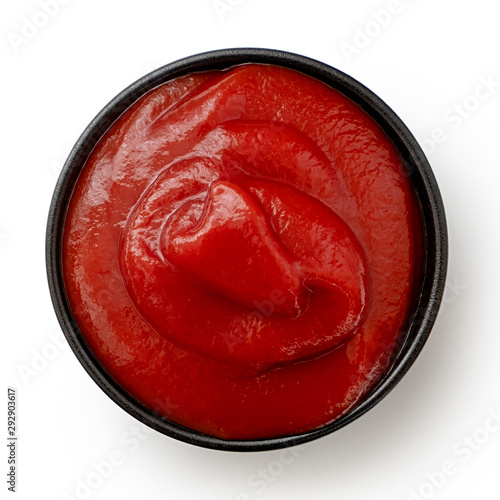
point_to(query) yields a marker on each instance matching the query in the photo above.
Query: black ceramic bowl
(427, 297)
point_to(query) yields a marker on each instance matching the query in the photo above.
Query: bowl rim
(417, 168)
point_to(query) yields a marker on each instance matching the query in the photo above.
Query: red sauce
(240, 252)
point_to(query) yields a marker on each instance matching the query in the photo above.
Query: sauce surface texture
(240, 252)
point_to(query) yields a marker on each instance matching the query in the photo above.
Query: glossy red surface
(240, 252)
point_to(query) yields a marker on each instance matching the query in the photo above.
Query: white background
(429, 60)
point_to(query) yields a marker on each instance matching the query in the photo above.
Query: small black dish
(427, 299)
